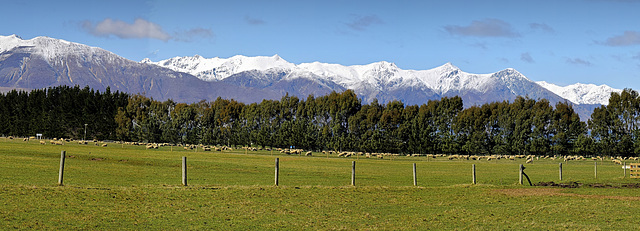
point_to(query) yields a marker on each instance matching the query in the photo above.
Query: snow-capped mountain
(43, 62)
(215, 69)
(380, 75)
(582, 93)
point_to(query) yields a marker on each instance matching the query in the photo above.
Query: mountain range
(42, 62)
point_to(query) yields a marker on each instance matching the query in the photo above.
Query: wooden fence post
(521, 170)
(624, 169)
(595, 169)
(184, 170)
(473, 173)
(560, 171)
(353, 173)
(415, 179)
(61, 173)
(277, 170)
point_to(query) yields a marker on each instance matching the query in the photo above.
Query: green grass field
(130, 187)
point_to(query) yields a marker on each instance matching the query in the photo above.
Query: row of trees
(338, 121)
(60, 112)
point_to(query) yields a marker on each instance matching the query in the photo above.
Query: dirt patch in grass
(531, 192)
(574, 184)
(556, 192)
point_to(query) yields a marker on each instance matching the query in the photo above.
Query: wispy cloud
(253, 21)
(193, 34)
(579, 61)
(527, 57)
(141, 29)
(542, 27)
(361, 23)
(636, 56)
(484, 28)
(481, 45)
(629, 38)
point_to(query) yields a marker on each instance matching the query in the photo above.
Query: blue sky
(562, 42)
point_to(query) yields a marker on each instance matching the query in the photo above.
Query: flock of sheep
(529, 158)
(60, 141)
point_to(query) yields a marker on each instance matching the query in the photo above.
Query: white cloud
(484, 28)
(527, 57)
(193, 34)
(253, 21)
(629, 38)
(542, 27)
(140, 28)
(579, 61)
(360, 23)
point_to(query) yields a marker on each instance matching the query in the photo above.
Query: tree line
(60, 111)
(337, 121)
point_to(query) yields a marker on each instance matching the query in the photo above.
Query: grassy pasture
(129, 187)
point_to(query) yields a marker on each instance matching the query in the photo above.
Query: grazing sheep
(308, 153)
(104, 145)
(42, 142)
(25, 139)
(529, 161)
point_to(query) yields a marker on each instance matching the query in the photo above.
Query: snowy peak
(9, 42)
(582, 93)
(446, 68)
(53, 50)
(215, 69)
